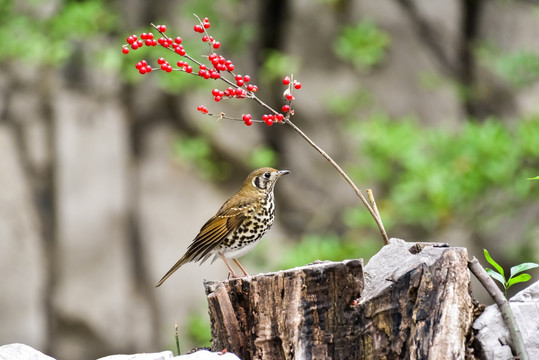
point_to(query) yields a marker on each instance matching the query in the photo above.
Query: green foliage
(365, 45)
(327, 247)
(534, 178)
(53, 38)
(199, 330)
(263, 156)
(519, 68)
(500, 276)
(197, 152)
(433, 176)
(276, 64)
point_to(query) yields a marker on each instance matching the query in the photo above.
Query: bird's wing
(214, 231)
(211, 235)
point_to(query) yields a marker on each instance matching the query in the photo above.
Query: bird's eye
(267, 175)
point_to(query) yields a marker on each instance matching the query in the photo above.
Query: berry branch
(240, 87)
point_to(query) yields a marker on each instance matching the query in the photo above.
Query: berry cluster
(240, 86)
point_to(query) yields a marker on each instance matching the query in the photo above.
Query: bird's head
(263, 180)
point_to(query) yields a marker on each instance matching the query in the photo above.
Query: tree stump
(409, 302)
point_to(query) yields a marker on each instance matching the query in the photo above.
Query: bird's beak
(283, 172)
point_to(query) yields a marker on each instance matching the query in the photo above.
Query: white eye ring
(267, 175)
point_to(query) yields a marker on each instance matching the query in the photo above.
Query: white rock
(492, 334)
(21, 352)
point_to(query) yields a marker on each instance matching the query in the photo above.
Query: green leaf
(534, 178)
(518, 279)
(493, 263)
(522, 267)
(493, 274)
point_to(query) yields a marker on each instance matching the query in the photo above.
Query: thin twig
(488, 283)
(177, 337)
(375, 208)
(345, 176)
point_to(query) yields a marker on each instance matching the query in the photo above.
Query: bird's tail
(176, 266)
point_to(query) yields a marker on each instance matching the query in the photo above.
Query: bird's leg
(241, 267)
(228, 266)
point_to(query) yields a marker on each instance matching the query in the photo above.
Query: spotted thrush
(238, 225)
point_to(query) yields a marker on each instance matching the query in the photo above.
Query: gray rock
(492, 335)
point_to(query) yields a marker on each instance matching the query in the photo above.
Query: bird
(238, 225)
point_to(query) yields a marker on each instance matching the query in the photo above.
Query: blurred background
(107, 175)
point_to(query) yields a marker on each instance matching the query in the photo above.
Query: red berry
(125, 50)
(198, 29)
(269, 122)
(149, 36)
(289, 96)
(246, 78)
(138, 65)
(297, 85)
(239, 82)
(238, 92)
(286, 80)
(178, 40)
(148, 42)
(246, 117)
(162, 28)
(250, 87)
(265, 117)
(154, 42)
(205, 38)
(180, 50)
(148, 68)
(130, 39)
(255, 88)
(134, 46)
(144, 62)
(140, 43)
(206, 25)
(215, 75)
(189, 69)
(280, 117)
(216, 45)
(217, 98)
(206, 20)
(286, 108)
(161, 61)
(143, 36)
(215, 92)
(238, 77)
(142, 70)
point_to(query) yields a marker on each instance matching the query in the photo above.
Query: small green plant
(500, 276)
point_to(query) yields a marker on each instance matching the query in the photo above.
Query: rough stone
(492, 335)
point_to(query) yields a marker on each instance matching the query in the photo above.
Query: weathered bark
(409, 302)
